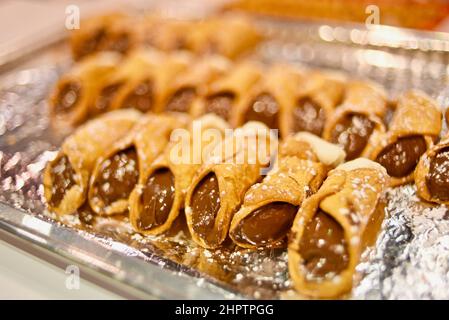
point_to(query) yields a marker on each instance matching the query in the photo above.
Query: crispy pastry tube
(357, 124)
(224, 95)
(230, 36)
(432, 173)
(88, 38)
(124, 77)
(116, 173)
(270, 99)
(269, 207)
(158, 198)
(218, 189)
(187, 89)
(66, 177)
(149, 88)
(318, 95)
(77, 90)
(415, 126)
(334, 226)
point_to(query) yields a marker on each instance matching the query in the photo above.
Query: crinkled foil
(409, 260)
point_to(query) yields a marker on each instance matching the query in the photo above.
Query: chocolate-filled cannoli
(270, 100)
(230, 36)
(158, 198)
(223, 96)
(432, 173)
(88, 38)
(358, 123)
(187, 89)
(334, 226)
(415, 126)
(269, 207)
(111, 32)
(116, 172)
(125, 76)
(148, 89)
(76, 91)
(318, 96)
(66, 177)
(217, 190)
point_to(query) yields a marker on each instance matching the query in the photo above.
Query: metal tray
(410, 259)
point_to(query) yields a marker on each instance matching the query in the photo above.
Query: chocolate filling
(323, 247)
(63, 178)
(438, 177)
(68, 97)
(92, 43)
(157, 199)
(220, 104)
(308, 116)
(119, 42)
(181, 100)
(117, 176)
(352, 132)
(266, 225)
(107, 94)
(205, 204)
(141, 98)
(265, 109)
(401, 157)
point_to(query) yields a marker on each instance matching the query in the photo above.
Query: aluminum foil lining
(409, 260)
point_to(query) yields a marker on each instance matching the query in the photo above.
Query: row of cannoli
(227, 35)
(283, 97)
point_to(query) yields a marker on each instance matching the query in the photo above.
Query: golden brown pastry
(229, 36)
(158, 198)
(149, 88)
(334, 226)
(270, 100)
(415, 126)
(117, 171)
(110, 32)
(358, 123)
(166, 34)
(124, 77)
(66, 177)
(76, 91)
(432, 173)
(269, 207)
(319, 93)
(217, 190)
(185, 92)
(223, 96)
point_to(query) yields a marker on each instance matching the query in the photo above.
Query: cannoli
(186, 90)
(318, 96)
(116, 172)
(269, 207)
(125, 76)
(334, 226)
(76, 91)
(224, 95)
(111, 32)
(167, 34)
(432, 173)
(357, 124)
(229, 36)
(158, 198)
(270, 100)
(149, 88)
(218, 189)
(66, 177)
(415, 126)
